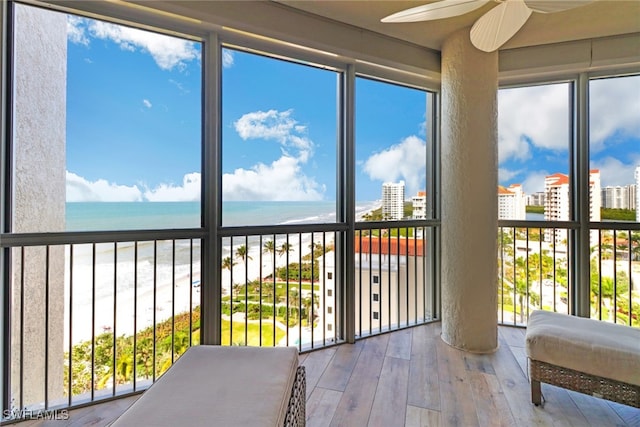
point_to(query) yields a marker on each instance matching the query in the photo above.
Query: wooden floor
(413, 378)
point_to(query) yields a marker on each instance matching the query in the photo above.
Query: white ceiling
(599, 19)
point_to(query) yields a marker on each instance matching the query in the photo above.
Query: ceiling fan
(495, 27)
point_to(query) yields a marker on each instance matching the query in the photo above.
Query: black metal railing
(615, 273)
(274, 287)
(95, 316)
(101, 315)
(394, 280)
(535, 262)
(533, 271)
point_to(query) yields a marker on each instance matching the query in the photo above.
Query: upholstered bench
(585, 355)
(225, 386)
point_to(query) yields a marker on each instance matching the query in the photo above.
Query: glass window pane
(118, 126)
(614, 138)
(391, 151)
(534, 136)
(279, 141)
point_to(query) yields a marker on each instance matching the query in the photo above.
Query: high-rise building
(556, 199)
(511, 202)
(595, 192)
(557, 205)
(535, 199)
(393, 200)
(619, 197)
(419, 203)
(385, 266)
(638, 193)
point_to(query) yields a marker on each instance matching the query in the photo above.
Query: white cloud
(274, 125)
(227, 58)
(538, 115)
(76, 30)
(404, 161)
(168, 52)
(189, 191)
(506, 174)
(534, 182)
(613, 172)
(284, 178)
(81, 190)
(281, 180)
(146, 103)
(614, 106)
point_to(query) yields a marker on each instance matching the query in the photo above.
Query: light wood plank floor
(412, 378)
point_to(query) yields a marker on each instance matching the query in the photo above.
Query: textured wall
(39, 195)
(469, 195)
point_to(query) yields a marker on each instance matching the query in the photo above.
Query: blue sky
(534, 132)
(133, 123)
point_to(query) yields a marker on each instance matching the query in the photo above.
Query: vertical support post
(581, 207)
(346, 192)
(5, 273)
(210, 263)
(432, 249)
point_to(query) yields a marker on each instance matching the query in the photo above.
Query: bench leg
(536, 393)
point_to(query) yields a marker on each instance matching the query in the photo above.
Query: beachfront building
(419, 203)
(393, 200)
(387, 270)
(511, 202)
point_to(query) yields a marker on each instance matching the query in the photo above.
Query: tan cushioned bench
(586, 355)
(223, 386)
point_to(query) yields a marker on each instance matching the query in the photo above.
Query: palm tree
(227, 264)
(284, 248)
(242, 253)
(270, 248)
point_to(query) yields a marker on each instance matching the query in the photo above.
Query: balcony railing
(95, 316)
(535, 262)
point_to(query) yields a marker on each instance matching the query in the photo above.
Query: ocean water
(93, 216)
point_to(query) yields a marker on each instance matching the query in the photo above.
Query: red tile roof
(389, 245)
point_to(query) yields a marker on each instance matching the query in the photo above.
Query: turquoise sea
(93, 216)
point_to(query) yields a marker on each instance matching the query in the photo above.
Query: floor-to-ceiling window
(614, 150)
(534, 159)
(280, 145)
(106, 139)
(393, 187)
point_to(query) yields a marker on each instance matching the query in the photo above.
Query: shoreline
(175, 285)
(171, 296)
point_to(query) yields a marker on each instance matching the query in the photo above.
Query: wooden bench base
(616, 391)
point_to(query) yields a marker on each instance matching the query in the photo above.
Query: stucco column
(469, 195)
(39, 201)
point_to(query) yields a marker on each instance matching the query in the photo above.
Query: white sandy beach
(172, 296)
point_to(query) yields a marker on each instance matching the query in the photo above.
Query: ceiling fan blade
(550, 6)
(437, 10)
(495, 27)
